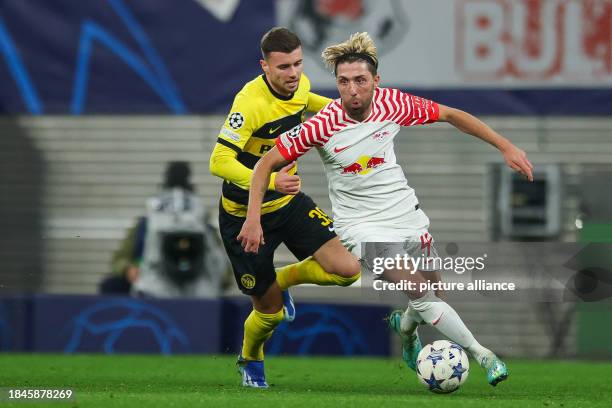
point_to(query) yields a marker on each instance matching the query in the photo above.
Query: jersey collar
(273, 92)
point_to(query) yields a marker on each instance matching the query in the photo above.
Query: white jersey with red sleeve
(366, 184)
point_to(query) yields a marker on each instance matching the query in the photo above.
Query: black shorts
(300, 225)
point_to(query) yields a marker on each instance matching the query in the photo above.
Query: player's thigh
(335, 258)
(254, 273)
(377, 244)
(310, 232)
(420, 247)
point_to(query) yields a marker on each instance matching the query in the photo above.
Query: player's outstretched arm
(251, 234)
(515, 158)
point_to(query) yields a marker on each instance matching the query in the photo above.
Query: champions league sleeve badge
(236, 120)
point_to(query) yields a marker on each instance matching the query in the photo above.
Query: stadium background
(97, 96)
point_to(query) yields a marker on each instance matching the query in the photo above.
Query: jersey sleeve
(240, 123)
(299, 140)
(316, 102)
(414, 110)
(224, 164)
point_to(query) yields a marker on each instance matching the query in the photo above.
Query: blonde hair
(359, 46)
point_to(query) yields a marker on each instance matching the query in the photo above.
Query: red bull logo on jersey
(364, 165)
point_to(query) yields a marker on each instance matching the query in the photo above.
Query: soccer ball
(442, 366)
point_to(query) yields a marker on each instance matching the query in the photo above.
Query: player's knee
(348, 272)
(347, 268)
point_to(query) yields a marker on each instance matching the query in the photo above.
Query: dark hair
(355, 57)
(279, 39)
(178, 174)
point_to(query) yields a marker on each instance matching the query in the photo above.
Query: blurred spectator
(173, 251)
(125, 264)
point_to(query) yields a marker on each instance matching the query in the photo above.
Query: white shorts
(408, 235)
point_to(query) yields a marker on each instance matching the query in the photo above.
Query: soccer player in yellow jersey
(266, 107)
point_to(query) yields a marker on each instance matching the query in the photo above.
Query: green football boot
(411, 345)
(496, 369)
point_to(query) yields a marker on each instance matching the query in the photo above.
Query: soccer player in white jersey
(371, 199)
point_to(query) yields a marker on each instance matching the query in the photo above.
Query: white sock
(443, 317)
(410, 321)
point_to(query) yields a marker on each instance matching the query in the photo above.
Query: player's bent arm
(223, 163)
(261, 175)
(514, 157)
(251, 234)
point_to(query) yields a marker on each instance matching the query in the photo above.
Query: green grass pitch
(210, 381)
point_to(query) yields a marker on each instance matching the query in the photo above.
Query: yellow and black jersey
(258, 116)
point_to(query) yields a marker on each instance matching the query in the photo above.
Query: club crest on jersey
(381, 135)
(236, 120)
(248, 281)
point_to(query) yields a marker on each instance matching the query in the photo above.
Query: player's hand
(251, 236)
(517, 160)
(287, 183)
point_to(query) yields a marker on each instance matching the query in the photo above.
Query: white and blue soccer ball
(442, 366)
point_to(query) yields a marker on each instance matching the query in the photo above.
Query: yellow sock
(309, 271)
(258, 328)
